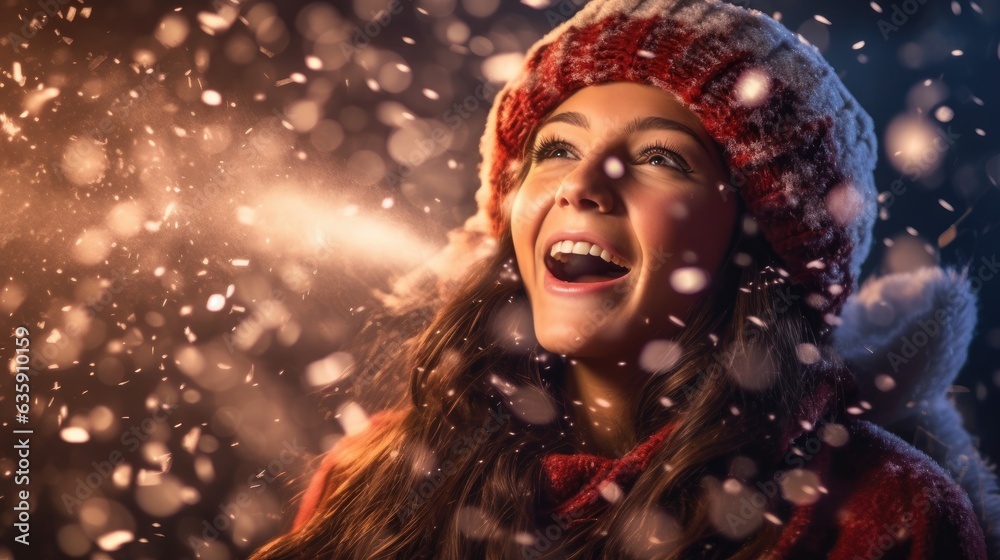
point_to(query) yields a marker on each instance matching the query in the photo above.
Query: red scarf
(574, 483)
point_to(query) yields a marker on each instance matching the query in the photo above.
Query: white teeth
(562, 248)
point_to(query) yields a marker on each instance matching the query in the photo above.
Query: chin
(565, 343)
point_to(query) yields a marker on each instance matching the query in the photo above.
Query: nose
(587, 187)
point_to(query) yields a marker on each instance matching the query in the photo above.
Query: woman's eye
(551, 148)
(654, 154)
(661, 155)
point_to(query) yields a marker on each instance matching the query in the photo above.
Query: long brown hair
(456, 474)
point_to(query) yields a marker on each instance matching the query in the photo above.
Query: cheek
(527, 207)
(707, 232)
(532, 200)
(684, 231)
(524, 257)
(522, 230)
(663, 224)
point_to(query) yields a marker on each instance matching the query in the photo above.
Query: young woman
(679, 196)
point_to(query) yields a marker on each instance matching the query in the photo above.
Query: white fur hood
(906, 336)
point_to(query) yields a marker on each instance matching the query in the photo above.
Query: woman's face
(620, 222)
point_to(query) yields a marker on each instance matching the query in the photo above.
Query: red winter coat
(883, 499)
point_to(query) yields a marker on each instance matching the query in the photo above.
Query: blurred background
(201, 201)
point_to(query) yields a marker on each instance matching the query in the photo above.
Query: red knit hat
(800, 149)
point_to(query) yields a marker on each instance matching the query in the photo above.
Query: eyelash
(545, 147)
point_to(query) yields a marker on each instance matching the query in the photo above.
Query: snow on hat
(800, 148)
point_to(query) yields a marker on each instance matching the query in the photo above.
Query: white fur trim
(914, 328)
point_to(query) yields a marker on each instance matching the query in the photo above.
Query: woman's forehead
(613, 100)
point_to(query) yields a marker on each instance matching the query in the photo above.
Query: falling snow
(204, 205)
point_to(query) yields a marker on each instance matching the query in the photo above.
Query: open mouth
(583, 262)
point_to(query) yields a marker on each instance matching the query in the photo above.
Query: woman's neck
(608, 391)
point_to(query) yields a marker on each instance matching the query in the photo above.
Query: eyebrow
(637, 124)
